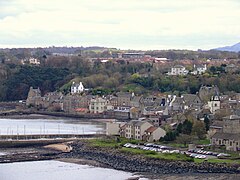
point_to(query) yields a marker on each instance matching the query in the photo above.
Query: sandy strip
(59, 147)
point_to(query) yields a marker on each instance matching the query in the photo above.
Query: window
(215, 105)
(230, 143)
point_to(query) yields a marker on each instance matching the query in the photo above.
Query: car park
(127, 145)
(223, 155)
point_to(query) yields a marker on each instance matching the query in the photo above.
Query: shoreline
(113, 159)
(93, 117)
(36, 115)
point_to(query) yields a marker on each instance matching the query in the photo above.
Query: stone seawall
(61, 114)
(137, 163)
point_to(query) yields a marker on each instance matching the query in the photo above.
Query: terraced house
(135, 129)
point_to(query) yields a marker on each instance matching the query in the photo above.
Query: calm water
(55, 170)
(48, 126)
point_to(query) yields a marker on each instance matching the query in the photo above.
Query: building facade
(230, 134)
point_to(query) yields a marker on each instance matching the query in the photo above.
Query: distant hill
(234, 48)
(53, 49)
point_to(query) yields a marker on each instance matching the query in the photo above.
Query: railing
(48, 136)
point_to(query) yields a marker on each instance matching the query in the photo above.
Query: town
(175, 105)
(119, 90)
(158, 116)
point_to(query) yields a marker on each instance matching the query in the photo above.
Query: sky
(124, 24)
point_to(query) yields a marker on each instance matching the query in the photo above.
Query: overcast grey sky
(125, 24)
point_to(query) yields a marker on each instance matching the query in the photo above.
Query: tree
(179, 128)
(170, 136)
(187, 127)
(199, 129)
(184, 139)
(206, 122)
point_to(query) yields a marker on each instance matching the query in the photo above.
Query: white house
(200, 69)
(178, 70)
(77, 88)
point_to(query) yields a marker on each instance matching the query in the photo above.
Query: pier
(10, 141)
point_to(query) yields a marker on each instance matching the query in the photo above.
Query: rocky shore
(137, 163)
(82, 153)
(27, 154)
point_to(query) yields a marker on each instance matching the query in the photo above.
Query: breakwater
(10, 141)
(116, 159)
(137, 163)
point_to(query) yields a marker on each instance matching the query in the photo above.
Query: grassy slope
(113, 143)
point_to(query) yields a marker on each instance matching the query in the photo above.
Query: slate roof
(190, 98)
(220, 135)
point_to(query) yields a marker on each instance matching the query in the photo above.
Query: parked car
(127, 145)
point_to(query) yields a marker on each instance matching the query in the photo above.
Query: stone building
(206, 92)
(73, 102)
(153, 134)
(97, 105)
(34, 97)
(135, 129)
(124, 99)
(230, 134)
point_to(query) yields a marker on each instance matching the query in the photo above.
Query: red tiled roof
(81, 109)
(151, 129)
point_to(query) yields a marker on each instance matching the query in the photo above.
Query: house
(31, 60)
(178, 70)
(230, 134)
(77, 88)
(97, 105)
(135, 101)
(34, 97)
(192, 101)
(176, 104)
(112, 100)
(153, 134)
(124, 99)
(151, 105)
(122, 113)
(53, 101)
(114, 128)
(216, 126)
(157, 110)
(199, 69)
(72, 103)
(34, 61)
(179, 118)
(135, 129)
(206, 92)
